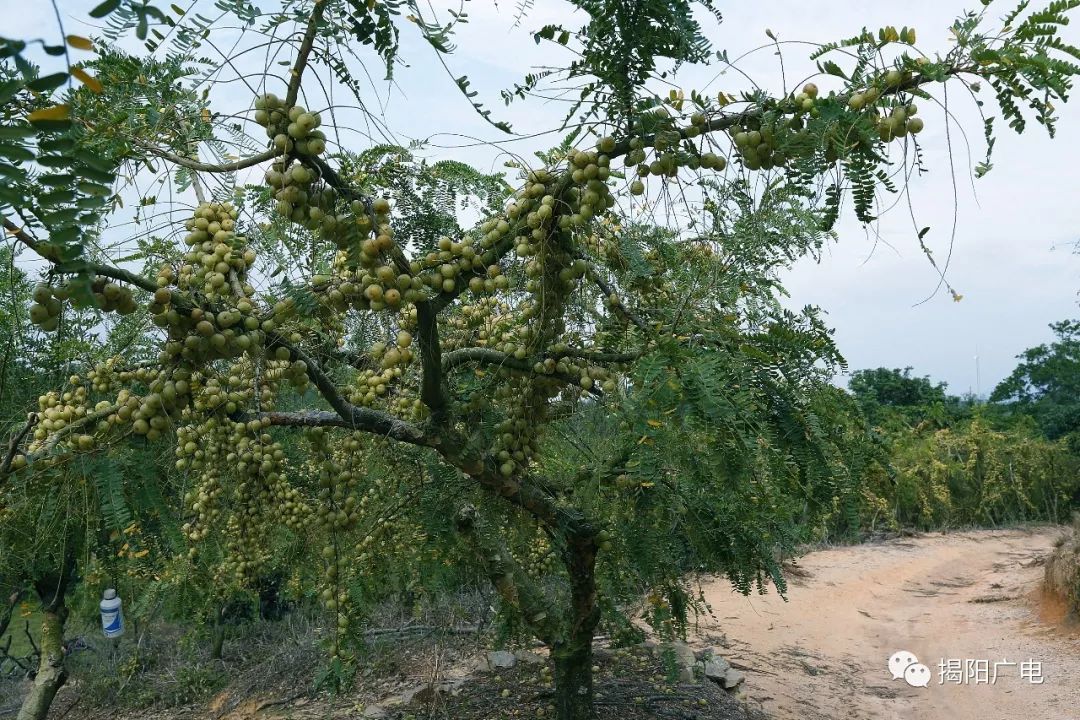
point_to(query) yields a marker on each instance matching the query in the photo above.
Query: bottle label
(112, 623)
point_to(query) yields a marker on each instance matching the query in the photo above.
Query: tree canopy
(1046, 382)
(381, 363)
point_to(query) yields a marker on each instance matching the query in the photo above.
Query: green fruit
(38, 314)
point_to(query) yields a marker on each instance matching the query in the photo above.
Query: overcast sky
(1012, 257)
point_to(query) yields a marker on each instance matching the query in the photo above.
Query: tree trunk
(573, 655)
(52, 674)
(218, 637)
(573, 679)
(5, 616)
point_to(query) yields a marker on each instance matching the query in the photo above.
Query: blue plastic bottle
(112, 615)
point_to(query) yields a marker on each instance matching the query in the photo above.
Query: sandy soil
(973, 595)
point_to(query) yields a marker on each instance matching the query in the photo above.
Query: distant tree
(894, 388)
(1046, 383)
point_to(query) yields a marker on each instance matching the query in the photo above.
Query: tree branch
(13, 446)
(70, 428)
(305, 51)
(432, 390)
(608, 291)
(352, 416)
(200, 166)
(5, 615)
(487, 356)
(515, 587)
(96, 268)
(725, 121)
(359, 418)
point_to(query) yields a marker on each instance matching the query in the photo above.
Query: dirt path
(975, 595)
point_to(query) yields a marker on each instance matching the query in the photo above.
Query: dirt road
(970, 596)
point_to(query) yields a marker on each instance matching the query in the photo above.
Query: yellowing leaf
(654, 423)
(206, 115)
(79, 42)
(87, 79)
(56, 112)
(141, 553)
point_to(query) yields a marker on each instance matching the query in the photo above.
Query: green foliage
(972, 475)
(1046, 383)
(882, 391)
(620, 50)
(434, 199)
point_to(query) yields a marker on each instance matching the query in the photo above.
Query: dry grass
(1063, 569)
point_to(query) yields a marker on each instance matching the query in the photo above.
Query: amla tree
(629, 395)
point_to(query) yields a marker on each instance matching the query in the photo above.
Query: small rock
(375, 712)
(500, 660)
(716, 668)
(684, 660)
(733, 679)
(529, 658)
(684, 655)
(422, 693)
(450, 687)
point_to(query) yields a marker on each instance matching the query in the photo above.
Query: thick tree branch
(359, 418)
(432, 388)
(13, 446)
(487, 356)
(514, 586)
(198, 165)
(96, 268)
(5, 614)
(306, 44)
(352, 416)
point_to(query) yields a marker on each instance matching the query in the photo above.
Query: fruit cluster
(899, 122)
(216, 255)
(291, 129)
(105, 295)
